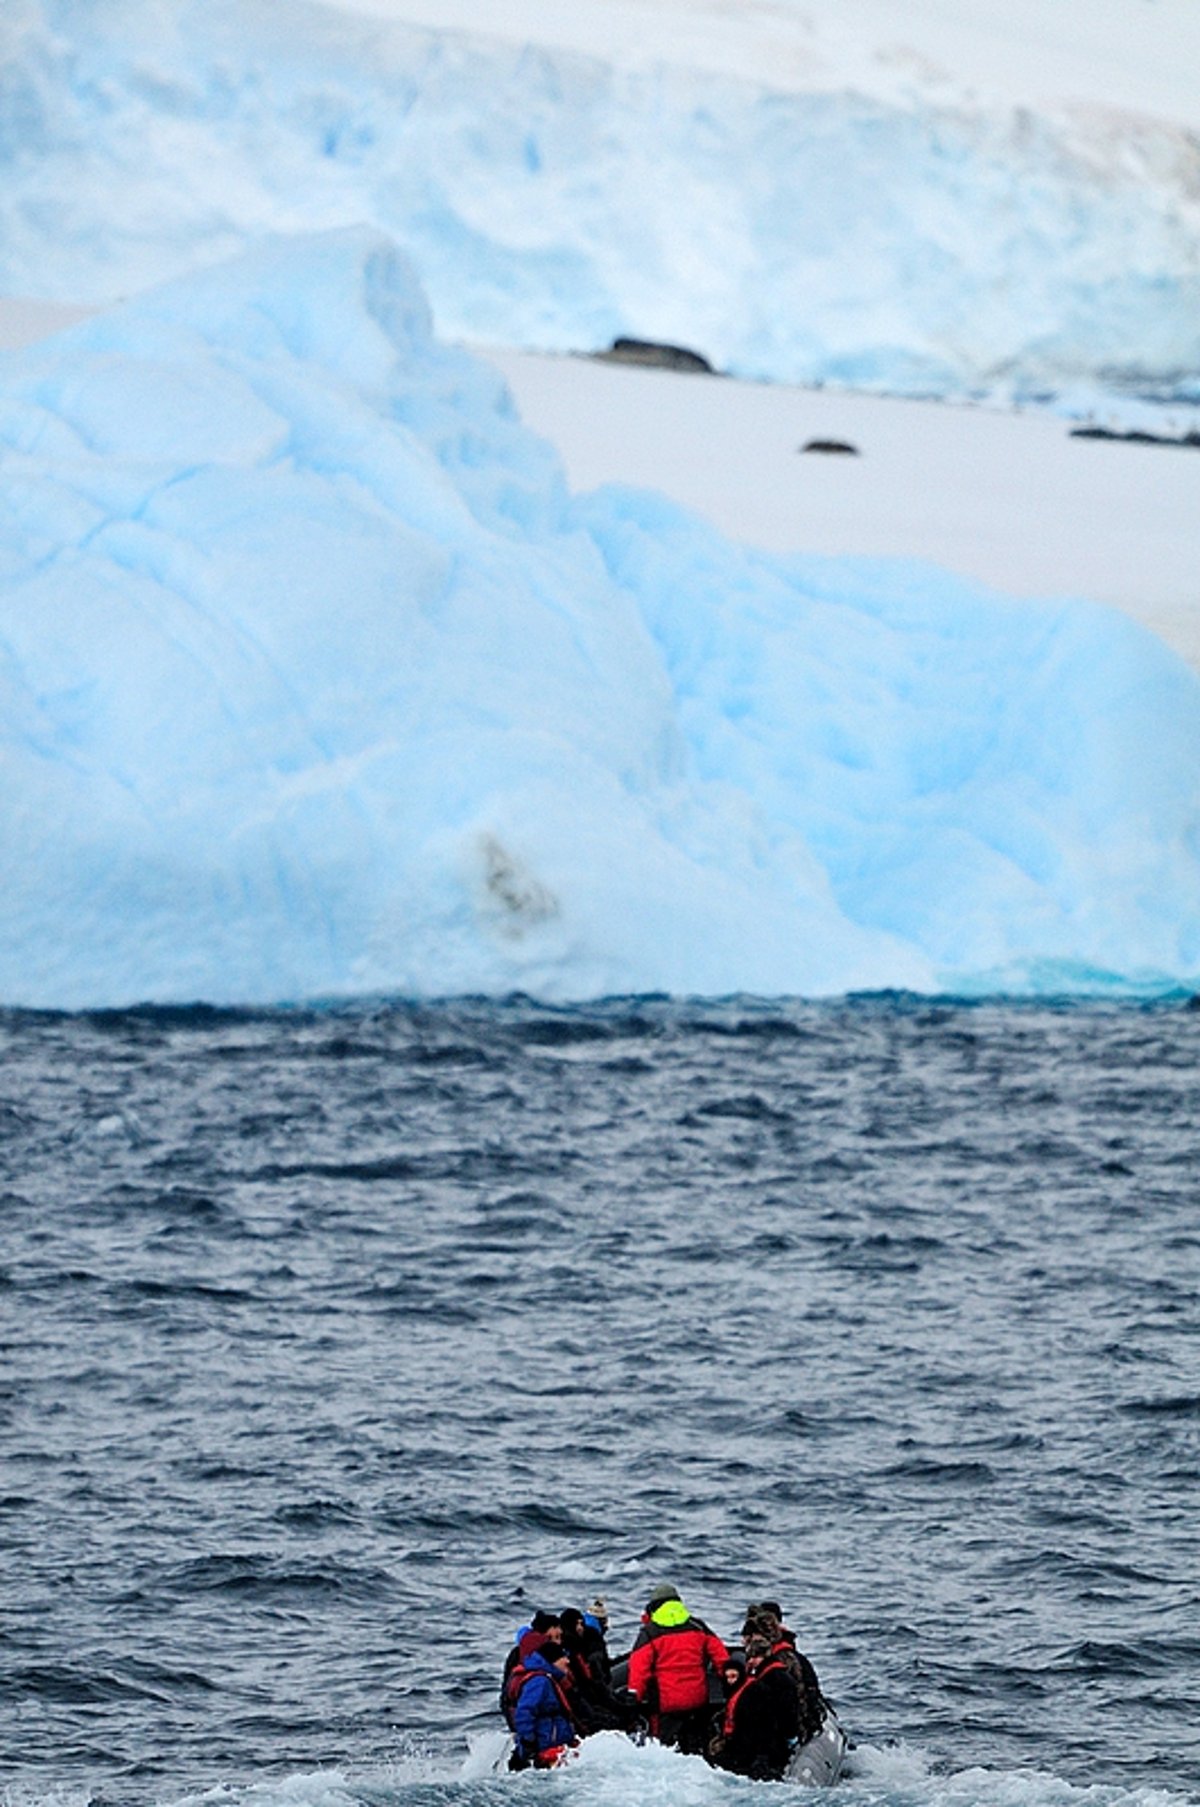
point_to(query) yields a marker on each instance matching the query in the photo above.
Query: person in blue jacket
(542, 1720)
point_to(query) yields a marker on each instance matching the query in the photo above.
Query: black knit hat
(660, 1596)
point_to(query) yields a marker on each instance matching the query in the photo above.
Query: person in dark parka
(596, 1705)
(759, 1727)
(766, 1620)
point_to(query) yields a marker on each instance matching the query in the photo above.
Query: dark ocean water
(333, 1342)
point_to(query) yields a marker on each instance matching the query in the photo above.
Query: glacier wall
(314, 680)
(552, 201)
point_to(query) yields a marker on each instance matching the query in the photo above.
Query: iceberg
(317, 681)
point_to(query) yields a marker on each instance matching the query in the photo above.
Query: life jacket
(515, 1680)
(528, 1640)
(810, 1702)
(731, 1705)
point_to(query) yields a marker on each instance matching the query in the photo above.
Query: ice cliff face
(314, 680)
(548, 199)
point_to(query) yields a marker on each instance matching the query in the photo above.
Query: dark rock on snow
(1137, 438)
(831, 445)
(658, 357)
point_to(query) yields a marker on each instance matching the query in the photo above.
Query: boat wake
(611, 1771)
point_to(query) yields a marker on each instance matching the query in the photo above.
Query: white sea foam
(902, 1776)
(609, 1771)
(21, 1791)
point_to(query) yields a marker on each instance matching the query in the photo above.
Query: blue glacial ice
(553, 201)
(316, 681)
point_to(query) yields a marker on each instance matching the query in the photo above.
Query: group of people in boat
(745, 1708)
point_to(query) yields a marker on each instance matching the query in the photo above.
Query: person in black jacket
(591, 1672)
(759, 1727)
(766, 1620)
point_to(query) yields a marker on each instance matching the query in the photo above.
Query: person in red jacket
(669, 1669)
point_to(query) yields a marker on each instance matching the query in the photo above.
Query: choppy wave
(883, 1305)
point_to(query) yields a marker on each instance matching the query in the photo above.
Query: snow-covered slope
(1013, 500)
(937, 200)
(315, 679)
(1130, 58)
